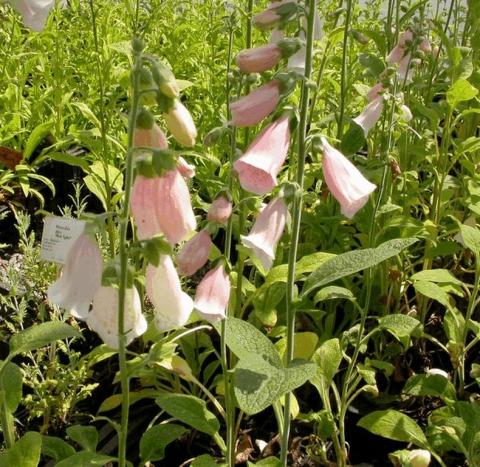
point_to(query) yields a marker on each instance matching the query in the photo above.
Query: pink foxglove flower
(297, 60)
(400, 49)
(346, 183)
(34, 12)
(425, 46)
(162, 205)
(194, 254)
(172, 305)
(187, 170)
(253, 108)
(405, 69)
(273, 14)
(181, 125)
(375, 92)
(81, 278)
(369, 117)
(275, 36)
(220, 210)
(259, 59)
(103, 318)
(213, 292)
(259, 166)
(267, 231)
(153, 138)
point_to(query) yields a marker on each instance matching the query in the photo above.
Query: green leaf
(353, 140)
(267, 462)
(25, 452)
(354, 261)
(471, 239)
(74, 161)
(205, 460)
(11, 382)
(433, 291)
(35, 138)
(96, 180)
(258, 384)
(333, 292)
(190, 410)
(327, 358)
(85, 436)
(85, 459)
(394, 425)
(401, 325)
(460, 91)
(440, 276)
(243, 339)
(56, 448)
(430, 385)
(157, 438)
(40, 335)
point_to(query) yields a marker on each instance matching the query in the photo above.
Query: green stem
(296, 221)
(343, 78)
(7, 421)
(123, 253)
(103, 131)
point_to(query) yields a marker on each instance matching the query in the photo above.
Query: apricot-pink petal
(259, 59)
(220, 210)
(81, 278)
(162, 205)
(346, 183)
(405, 69)
(253, 108)
(194, 254)
(375, 91)
(153, 138)
(187, 170)
(172, 306)
(212, 294)
(267, 231)
(103, 318)
(180, 123)
(34, 12)
(369, 117)
(259, 166)
(396, 55)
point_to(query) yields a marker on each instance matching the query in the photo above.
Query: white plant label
(59, 234)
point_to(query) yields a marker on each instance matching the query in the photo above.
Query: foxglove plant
(220, 210)
(194, 253)
(34, 12)
(370, 116)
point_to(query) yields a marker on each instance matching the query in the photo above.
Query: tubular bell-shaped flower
(369, 117)
(375, 92)
(267, 231)
(258, 168)
(346, 183)
(103, 318)
(162, 205)
(213, 292)
(259, 59)
(34, 12)
(81, 278)
(172, 305)
(194, 254)
(253, 108)
(274, 14)
(181, 125)
(220, 210)
(153, 138)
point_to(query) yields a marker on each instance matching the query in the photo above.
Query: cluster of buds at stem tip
(180, 123)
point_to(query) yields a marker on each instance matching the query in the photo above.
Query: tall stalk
(123, 253)
(296, 219)
(343, 77)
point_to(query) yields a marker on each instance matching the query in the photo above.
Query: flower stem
(123, 253)
(296, 220)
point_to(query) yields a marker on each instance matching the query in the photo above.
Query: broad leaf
(11, 382)
(190, 410)
(40, 335)
(85, 459)
(327, 358)
(460, 91)
(24, 453)
(354, 261)
(394, 425)
(430, 385)
(471, 239)
(85, 436)
(401, 325)
(56, 448)
(157, 438)
(440, 276)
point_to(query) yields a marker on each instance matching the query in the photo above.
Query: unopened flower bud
(181, 125)
(405, 113)
(165, 79)
(420, 458)
(220, 210)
